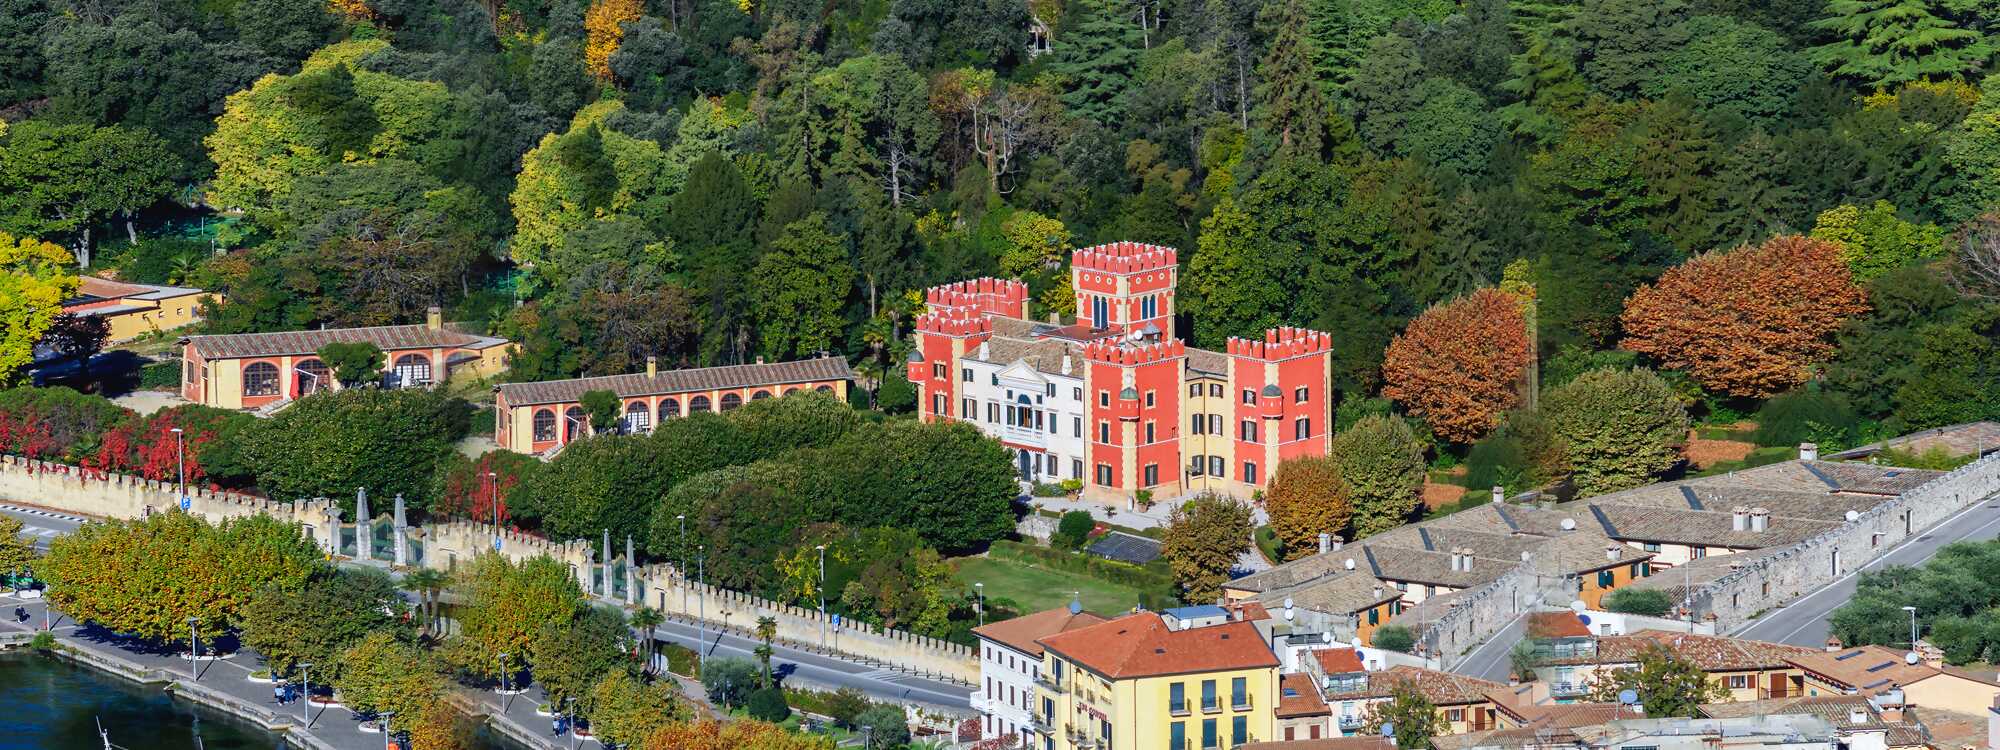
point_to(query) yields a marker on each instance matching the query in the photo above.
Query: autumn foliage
(468, 492)
(1307, 498)
(604, 26)
(1749, 321)
(1459, 365)
(736, 735)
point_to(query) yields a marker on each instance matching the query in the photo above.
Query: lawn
(1037, 588)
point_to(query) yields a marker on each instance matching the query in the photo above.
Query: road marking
(1879, 559)
(1495, 638)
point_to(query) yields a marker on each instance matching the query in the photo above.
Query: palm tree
(767, 629)
(426, 583)
(643, 621)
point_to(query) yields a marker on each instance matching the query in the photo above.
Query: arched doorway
(311, 376)
(411, 371)
(575, 423)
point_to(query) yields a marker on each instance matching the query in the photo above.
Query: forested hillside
(716, 180)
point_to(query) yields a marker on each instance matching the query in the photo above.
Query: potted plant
(1144, 498)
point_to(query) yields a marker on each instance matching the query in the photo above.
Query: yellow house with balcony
(1141, 683)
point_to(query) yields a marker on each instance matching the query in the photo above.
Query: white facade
(1037, 415)
(1006, 693)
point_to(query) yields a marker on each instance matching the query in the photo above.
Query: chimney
(1611, 551)
(434, 317)
(1808, 451)
(1335, 547)
(1325, 543)
(1378, 591)
(652, 365)
(1499, 494)
(1760, 519)
(1857, 716)
(1055, 319)
(1465, 560)
(1065, 364)
(760, 359)
(984, 348)
(1739, 519)
(1832, 644)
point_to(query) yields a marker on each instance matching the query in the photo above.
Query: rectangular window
(1214, 424)
(1104, 432)
(1299, 394)
(1177, 699)
(1076, 426)
(1208, 734)
(1152, 474)
(937, 404)
(1149, 433)
(1076, 394)
(1302, 428)
(1215, 390)
(1239, 695)
(995, 378)
(1052, 422)
(1375, 616)
(1700, 552)
(1249, 472)
(1104, 475)
(1239, 730)
(1215, 466)
(1194, 390)
(1248, 431)
(1104, 398)
(1149, 399)
(1100, 312)
(1739, 682)
(1177, 736)
(1052, 390)
(1249, 396)
(1076, 468)
(965, 374)
(992, 412)
(966, 409)
(1194, 424)
(937, 371)
(1197, 466)
(1208, 702)
(1606, 579)
(1454, 714)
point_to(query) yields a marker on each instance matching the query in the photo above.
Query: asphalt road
(1804, 622)
(1493, 659)
(42, 525)
(826, 672)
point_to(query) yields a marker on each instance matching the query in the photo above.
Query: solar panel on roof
(1848, 655)
(1882, 666)
(1875, 684)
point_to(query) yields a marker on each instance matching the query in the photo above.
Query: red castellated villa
(1113, 398)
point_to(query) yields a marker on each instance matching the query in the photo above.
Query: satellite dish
(1578, 606)
(1388, 729)
(1628, 697)
(1288, 602)
(1853, 516)
(1910, 658)
(1569, 524)
(1135, 335)
(1349, 563)
(1583, 618)
(1357, 643)
(1526, 556)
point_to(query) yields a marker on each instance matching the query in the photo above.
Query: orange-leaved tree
(1459, 364)
(604, 28)
(1307, 498)
(1747, 322)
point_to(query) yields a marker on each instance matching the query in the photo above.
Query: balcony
(1568, 689)
(1239, 703)
(1042, 724)
(1350, 723)
(1211, 706)
(1048, 682)
(1177, 709)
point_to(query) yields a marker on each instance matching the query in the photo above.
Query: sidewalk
(1250, 561)
(224, 684)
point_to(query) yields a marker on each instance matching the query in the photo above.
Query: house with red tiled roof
(539, 416)
(259, 370)
(131, 310)
(1139, 681)
(1749, 670)
(1879, 670)
(1010, 660)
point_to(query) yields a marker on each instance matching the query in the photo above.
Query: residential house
(1136, 682)
(1010, 660)
(1749, 670)
(1876, 670)
(131, 310)
(256, 370)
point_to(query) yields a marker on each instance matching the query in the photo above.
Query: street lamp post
(701, 617)
(505, 684)
(305, 706)
(981, 588)
(822, 593)
(180, 460)
(493, 500)
(572, 723)
(1913, 627)
(385, 728)
(683, 519)
(194, 650)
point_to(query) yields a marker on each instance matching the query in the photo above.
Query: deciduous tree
(625, 711)
(1875, 241)
(382, 673)
(1668, 685)
(604, 28)
(332, 612)
(390, 442)
(1459, 364)
(16, 551)
(1412, 718)
(34, 281)
(1307, 498)
(1619, 428)
(1203, 540)
(353, 363)
(1382, 464)
(209, 572)
(1749, 321)
(506, 606)
(570, 656)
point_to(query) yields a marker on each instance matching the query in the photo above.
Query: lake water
(49, 704)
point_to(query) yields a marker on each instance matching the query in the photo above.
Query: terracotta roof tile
(678, 381)
(388, 338)
(1324, 743)
(1140, 645)
(1297, 696)
(1338, 660)
(1020, 633)
(1442, 688)
(1563, 624)
(1866, 669)
(1713, 653)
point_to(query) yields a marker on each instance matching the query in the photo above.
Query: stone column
(364, 537)
(605, 559)
(631, 573)
(332, 527)
(402, 534)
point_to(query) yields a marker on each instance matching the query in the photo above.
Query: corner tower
(1126, 287)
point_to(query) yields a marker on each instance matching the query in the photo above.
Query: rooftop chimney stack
(1611, 551)
(1808, 451)
(1325, 543)
(1760, 519)
(1739, 519)
(434, 317)
(652, 365)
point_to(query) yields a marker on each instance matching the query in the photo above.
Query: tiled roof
(1564, 624)
(1140, 645)
(1020, 633)
(1866, 669)
(1207, 361)
(1434, 568)
(1302, 570)
(1711, 653)
(92, 288)
(1045, 355)
(1297, 696)
(679, 381)
(1970, 438)
(1442, 688)
(1339, 594)
(1705, 528)
(1836, 709)
(1338, 660)
(388, 338)
(1699, 572)
(1581, 551)
(1324, 743)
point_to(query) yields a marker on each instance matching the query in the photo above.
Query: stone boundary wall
(1482, 612)
(109, 495)
(1772, 580)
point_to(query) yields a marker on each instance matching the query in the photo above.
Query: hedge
(1152, 575)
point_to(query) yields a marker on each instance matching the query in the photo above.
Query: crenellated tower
(1283, 400)
(1126, 287)
(1135, 419)
(958, 317)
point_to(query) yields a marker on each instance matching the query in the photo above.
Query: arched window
(545, 425)
(574, 423)
(638, 418)
(669, 408)
(412, 370)
(731, 401)
(312, 376)
(824, 389)
(760, 395)
(698, 403)
(260, 379)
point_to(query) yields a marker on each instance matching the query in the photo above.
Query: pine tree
(1232, 291)
(1291, 107)
(1548, 88)
(1097, 52)
(1886, 42)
